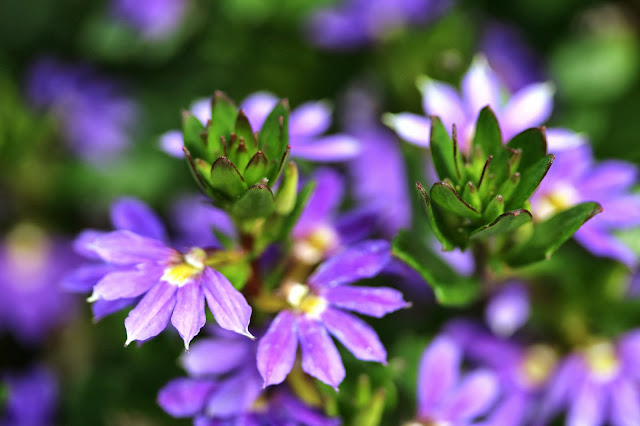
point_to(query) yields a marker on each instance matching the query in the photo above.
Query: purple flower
(95, 118)
(32, 398)
(508, 309)
(307, 123)
(529, 107)
(574, 178)
(32, 305)
(173, 284)
(154, 19)
(598, 384)
(444, 397)
(317, 309)
(356, 23)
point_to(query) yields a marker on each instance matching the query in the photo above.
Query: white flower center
(537, 365)
(190, 265)
(313, 247)
(28, 252)
(602, 360)
(562, 197)
(299, 296)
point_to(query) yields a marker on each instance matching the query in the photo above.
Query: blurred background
(88, 88)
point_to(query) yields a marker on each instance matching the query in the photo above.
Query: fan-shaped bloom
(173, 284)
(576, 177)
(316, 308)
(32, 398)
(154, 19)
(307, 123)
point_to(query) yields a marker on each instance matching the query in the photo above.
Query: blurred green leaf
(504, 224)
(257, 202)
(442, 151)
(446, 197)
(226, 179)
(529, 180)
(487, 136)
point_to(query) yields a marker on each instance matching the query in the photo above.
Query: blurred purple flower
(574, 178)
(173, 285)
(307, 123)
(598, 384)
(444, 397)
(357, 23)
(95, 116)
(154, 19)
(508, 309)
(32, 304)
(316, 309)
(529, 107)
(32, 398)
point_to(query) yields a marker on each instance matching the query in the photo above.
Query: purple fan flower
(444, 397)
(96, 118)
(32, 398)
(32, 305)
(307, 123)
(225, 388)
(598, 384)
(154, 19)
(574, 178)
(173, 285)
(529, 107)
(317, 309)
(357, 23)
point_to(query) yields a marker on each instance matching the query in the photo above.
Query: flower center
(602, 360)
(313, 247)
(28, 250)
(562, 197)
(299, 296)
(188, 266)
(537, 365)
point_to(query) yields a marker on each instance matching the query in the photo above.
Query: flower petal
(185, 397)
(201, 109)
(83, 244)
(477, 392)
(277, 349)
(172, 142)
(363, 260)
(372, 301)
(82, 279)
(625, 408)
(228, 305)
(569, 375)
(133, 215)
(529, 107)
(355, 334)
(339, 147)
(216, 356)
(127, 248)
(599, 242)
(610, 177)
(323, 203)
(152, 314)
(437, 374)
(103, 308)
(320, 358)
(257, 107)
(480, 87)
(443, 100)
(236, 394)
(559, 139)
(508, 310)
(188, 315)
(310, 119)
(412, 128)
(126, 284)
(588, 406)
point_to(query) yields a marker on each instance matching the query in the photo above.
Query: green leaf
(450, 288)
(192, 130)
(223, 120)
(447, 244)
(446, 197)
(243, 130)
(487, 136)
(226, 179)
(442, 151)
(548, 236)
(529, 181)
(239, 155)
(470, 194)
(288, 190)
(276, 165)
(238, 273)
(504, 224)
(195, 172)
(273, 138)
(256, 169)
(533, 144)
(371, 413)
(494, 209)
(256, 202)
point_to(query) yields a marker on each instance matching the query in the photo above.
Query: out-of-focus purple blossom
(154, 19)
(173, 285)
(225, 388)
(598, 384)
(446, 398)
(32, 398)
(508, 309)
(357, 23)
(96, 118)
(575, 177)
(317, 309)
(510, 56)
(307, 123)
(529, 107)
(32, 304)
(193, 217)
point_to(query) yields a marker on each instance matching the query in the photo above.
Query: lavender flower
(174, 285)
(316, 309)
(574, 178)
(154, 19)
(442, 397)
(307, 123)
(95, 118)
(529, 107)
(508, 309)
(356, 23)
(32, 304)
(32, 398)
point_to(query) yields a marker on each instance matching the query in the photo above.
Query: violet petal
(320, 357)
(184, 397)
(152, 314)
(355, 334)
(133, 215)
(437, 374)
(372, 301)
(126, 284)
(228, 305)
(277, 349)
(188, 315)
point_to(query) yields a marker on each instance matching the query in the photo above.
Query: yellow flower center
(602, 360)
(314, 247)
(562, 197)
(300, 298)
(190, 265)
(537, 365)
(28, 251)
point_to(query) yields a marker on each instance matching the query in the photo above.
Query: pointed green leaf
(243, 130)
(446, 197)
(447, 244)
(450, 288)
(239, 155)
(226, 179)
(256, 202)
(529, 181)
(223, 120)
(288, 190)
(192, 129)
(494, 209)
(195, 173)
(487, 135)
(274, 135)
(470, 194)
(533, 144)
(548, 236)
(442, 151)
(504, 224)
(458, 158)
(276, 165)
(256, 169)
